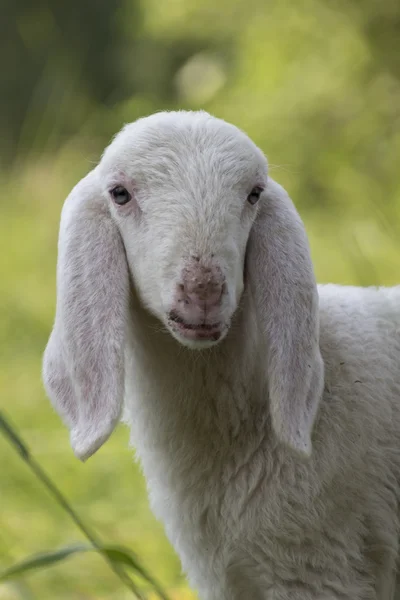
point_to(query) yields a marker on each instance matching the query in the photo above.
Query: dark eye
(255, 194)
(120, 195)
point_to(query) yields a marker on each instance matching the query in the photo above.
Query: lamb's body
(249, 519)
(267, 420)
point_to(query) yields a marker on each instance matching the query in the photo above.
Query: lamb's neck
(175, 393)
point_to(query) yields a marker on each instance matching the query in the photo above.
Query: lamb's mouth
(207, 332)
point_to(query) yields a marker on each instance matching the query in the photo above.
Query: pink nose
(204, 294)
(201, 287)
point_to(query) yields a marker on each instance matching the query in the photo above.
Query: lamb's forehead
(175, 141)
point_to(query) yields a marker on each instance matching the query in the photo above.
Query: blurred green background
(315, 83)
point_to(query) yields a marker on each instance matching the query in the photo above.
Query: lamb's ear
(281, 279)
(83, 366)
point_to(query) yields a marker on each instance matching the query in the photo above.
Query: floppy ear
(281, 279)
(83, 366)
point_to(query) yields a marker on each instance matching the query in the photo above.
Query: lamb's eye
(255, 194)
(120, 195)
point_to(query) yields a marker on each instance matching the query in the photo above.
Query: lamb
(265, 410)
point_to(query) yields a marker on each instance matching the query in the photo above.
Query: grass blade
(38, 561)
(128, 558)
(12, 437)
(116, 554)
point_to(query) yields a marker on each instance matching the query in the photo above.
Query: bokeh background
(315, 83)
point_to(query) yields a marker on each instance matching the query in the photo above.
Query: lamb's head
(179, 207)
(183, 190)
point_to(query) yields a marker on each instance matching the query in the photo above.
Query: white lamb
(265, 412)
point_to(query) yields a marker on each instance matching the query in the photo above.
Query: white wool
(272, 455)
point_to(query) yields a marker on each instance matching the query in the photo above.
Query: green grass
(109, 490)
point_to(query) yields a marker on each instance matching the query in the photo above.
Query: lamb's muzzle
(196, 311)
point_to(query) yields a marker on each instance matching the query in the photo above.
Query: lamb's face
(184, 192)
